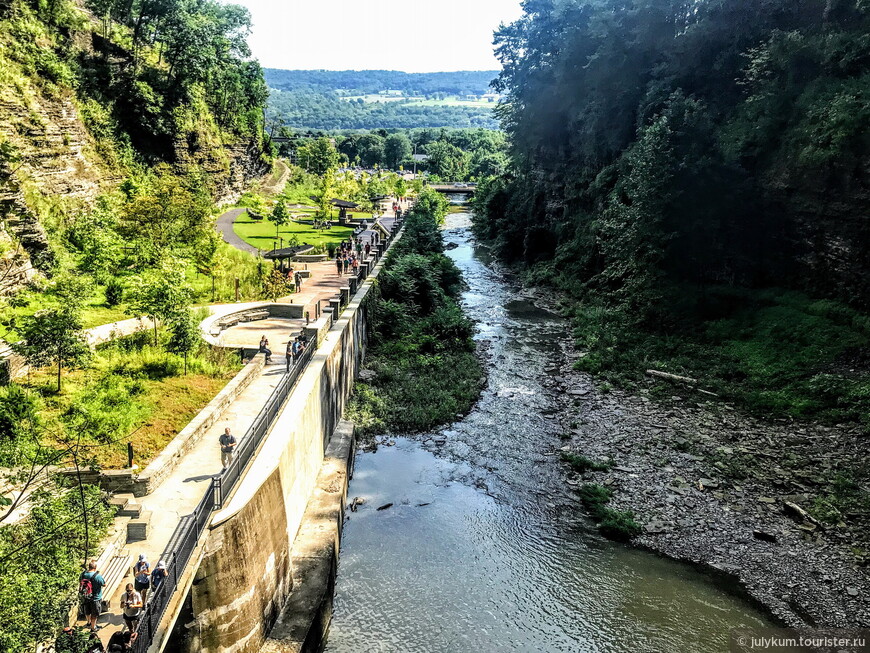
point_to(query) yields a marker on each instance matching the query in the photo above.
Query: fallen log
(671, 377)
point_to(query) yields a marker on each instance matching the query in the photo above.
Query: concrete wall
(244, 578)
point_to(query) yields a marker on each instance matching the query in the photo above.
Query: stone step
(137, 529)
(126, 505)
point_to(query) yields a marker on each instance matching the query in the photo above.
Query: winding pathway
(224, 225)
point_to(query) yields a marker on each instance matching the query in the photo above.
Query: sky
(407, 35)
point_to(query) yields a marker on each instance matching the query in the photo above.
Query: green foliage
(580, 463)
(185, 337)
(114, 292)
(106, 410)
(666, 167)
(279, 216)
(161, 293)
(276, 285)
(614, 524)
(20, 424)
(317, 155)
(42, 558)
(421, 348)
(53, 337)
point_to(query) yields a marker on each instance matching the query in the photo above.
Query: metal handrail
(192, 527)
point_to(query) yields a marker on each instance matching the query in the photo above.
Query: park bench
(253, 215)
(114, 571)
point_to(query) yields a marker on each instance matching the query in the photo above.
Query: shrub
(614, 524)
(114, 292)
(580, 463)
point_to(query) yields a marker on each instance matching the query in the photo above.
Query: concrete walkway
(179, 494)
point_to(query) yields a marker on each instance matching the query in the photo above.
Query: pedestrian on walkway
(142, 577)
(355, 264)
(228, 445)
(158, 576)
(91, 584)
(288, 355)
(368, 249)
(338, 264)
(346, 262)
(297, 278)
(131, 602)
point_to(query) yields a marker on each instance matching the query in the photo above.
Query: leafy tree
(317, 155)
(279, 216)
(397, 149)
(42, 557)
(160, 294)
(53, 337)
(275, 285)
(185, 337)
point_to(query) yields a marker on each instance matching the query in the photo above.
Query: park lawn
(163, 406)
(261, 233)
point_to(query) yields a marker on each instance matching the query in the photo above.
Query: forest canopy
(671, 160)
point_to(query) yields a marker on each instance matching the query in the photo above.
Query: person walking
(338, 263)
(131, 602)
(91, 584)
(228, 445)
(355, 264)
(289, 356)
(368, 249)
(297, 279)
(346, 263)
(142, 577)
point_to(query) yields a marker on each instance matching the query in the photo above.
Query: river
(485, 548)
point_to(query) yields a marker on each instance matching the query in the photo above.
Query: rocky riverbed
(721, 489)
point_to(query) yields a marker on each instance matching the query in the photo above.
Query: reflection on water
(484, 549)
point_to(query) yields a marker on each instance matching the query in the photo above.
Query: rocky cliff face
(51, 165)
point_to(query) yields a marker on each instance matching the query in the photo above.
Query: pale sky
(408, 35)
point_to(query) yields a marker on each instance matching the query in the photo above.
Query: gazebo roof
(286, 252)
(342, 204)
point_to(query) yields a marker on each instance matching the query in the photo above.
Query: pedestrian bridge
(459, 188)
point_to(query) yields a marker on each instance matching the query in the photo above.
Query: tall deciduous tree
(279, 216)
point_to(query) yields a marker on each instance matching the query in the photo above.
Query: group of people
(91, 584)
(295, 347)
(346, 259)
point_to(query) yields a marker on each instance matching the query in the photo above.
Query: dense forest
(325, 109)
(694, 176)
(363, 82)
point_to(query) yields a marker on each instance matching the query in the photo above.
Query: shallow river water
(485, 549)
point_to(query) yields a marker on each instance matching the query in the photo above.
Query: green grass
(776, 352)
(261, 233)
(582, 464)
(156, 399)
(614, 524)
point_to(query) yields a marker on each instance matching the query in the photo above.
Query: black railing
(190, 528)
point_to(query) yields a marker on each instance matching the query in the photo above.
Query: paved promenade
(179, 494)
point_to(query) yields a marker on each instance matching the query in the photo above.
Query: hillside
(363, 82)
(700, 191)
(379, 99)
(90, 105)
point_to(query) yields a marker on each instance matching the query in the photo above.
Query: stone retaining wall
(248, 566)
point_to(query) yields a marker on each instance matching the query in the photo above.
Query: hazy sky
(409, 35)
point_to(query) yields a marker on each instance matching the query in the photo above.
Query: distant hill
(362, 82)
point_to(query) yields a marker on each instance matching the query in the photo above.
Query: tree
(279, 216)
(317, 155)
(397, 149)
(53, 337)
(184, 337)
(160, 294)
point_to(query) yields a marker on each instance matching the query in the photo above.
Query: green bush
(580, 463)
(614, 524)
(114, 292)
